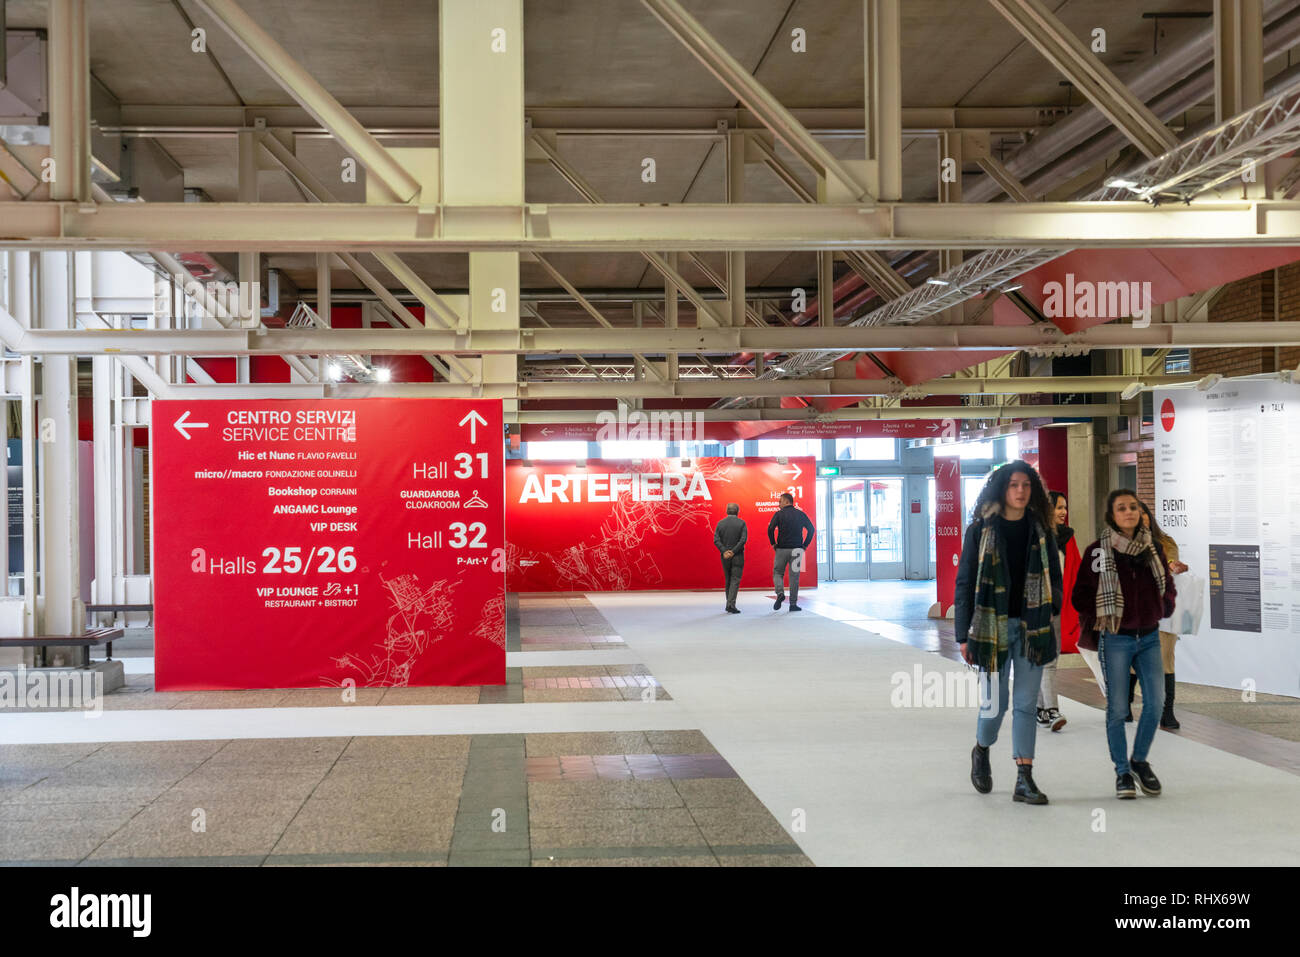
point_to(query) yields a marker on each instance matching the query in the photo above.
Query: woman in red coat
(1049, 715)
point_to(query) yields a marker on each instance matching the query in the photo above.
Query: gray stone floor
(453, 800)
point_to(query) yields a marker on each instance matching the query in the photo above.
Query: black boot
(1132, 689)
(981, 775)
(1167, 719)
(1026, 790)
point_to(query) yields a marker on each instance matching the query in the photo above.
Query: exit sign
(827, 471)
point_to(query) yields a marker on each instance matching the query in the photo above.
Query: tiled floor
(428, 800)
(778, 747)
(633, 798)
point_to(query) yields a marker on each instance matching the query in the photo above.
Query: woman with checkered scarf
(1008, 595)
(1123, 589)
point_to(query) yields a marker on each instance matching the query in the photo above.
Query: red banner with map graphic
(315, 543)
(623, 526)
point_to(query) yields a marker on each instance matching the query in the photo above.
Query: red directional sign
(316, 543)
(947, 527)
(622, 525)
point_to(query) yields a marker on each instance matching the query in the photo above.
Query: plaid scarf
(1110, 596)
(988, 636)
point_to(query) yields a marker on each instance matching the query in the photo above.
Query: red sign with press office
(308, 543)
(947, 528)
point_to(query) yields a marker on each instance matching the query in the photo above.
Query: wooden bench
(95, 636)
(125, 608)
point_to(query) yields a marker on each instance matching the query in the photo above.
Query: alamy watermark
(1085, 299)
(52, 689)
(945, 689)
(241, 301)
(638, 426)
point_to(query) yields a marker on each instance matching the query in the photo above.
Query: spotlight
(1132, 391)
(1119, 183)
(1209, 382)
(383, 374)
(933, 281)
(334, 372)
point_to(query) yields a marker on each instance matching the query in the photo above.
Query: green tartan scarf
(988, 635)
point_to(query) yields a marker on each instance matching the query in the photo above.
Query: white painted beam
(616, 227)
(623, 341)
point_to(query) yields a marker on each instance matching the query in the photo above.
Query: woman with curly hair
(1008, 594)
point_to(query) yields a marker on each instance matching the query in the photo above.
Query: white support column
(882, 35)
(69, 78)
(670, 315)
(56, 430)
(1238, 57)
(736, 257)
(826, 290)
(951, 158)
(324, 289)
(250, 263)
(1239, 73)
(108, 454)
(31, 620)
(481, 148)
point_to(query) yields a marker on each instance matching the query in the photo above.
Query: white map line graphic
(615, 559)
(421, 616)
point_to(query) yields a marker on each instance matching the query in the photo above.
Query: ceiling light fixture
(933, 281)
(1132, 391)
(1209, 382)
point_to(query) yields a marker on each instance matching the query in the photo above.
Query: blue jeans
(1118, 653)
(1024, 717)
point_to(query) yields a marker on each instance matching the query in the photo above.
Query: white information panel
(1227, 480)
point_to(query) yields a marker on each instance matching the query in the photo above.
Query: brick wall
(1146, 463)
(1252, 300)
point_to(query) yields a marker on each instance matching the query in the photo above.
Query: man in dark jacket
(729, 539)
(790, 532)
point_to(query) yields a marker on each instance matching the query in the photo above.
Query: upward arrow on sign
(474, 420)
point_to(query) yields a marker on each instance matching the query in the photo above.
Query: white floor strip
(514, 659)
(220, 724)
(801, 706)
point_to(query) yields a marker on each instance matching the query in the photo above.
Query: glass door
(885, 507)
(850, 557)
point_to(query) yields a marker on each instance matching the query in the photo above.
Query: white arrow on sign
(181, 424)
(546, 431)
(933, 427)
(474, 420)
(796, 471)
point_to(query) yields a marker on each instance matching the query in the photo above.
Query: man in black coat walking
(790, 532)
(729, 539)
